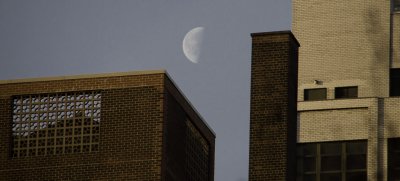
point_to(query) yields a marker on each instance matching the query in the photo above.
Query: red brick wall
(273, 107)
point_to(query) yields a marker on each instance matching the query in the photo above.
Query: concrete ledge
(83, 76)
(335, 104)
(272, 33)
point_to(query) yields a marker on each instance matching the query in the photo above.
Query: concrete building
(118, 126)
(349, 83)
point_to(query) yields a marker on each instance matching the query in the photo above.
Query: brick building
(273, 106)
(118, 126)
(349, 83)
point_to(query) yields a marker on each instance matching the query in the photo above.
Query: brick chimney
(273, 110)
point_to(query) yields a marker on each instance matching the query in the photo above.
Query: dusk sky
(40, 38)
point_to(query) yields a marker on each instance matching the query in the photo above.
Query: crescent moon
(191, 44)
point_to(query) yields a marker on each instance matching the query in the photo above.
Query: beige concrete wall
(343, 43)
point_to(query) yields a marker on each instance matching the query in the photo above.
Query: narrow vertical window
(307, 162)
(394, 158)
(394, 82)
(331, 161)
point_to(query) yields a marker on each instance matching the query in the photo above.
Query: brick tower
(273, 106)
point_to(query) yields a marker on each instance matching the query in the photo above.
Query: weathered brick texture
(133, 129)
(273, 107)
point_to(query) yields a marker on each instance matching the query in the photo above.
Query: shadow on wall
(378, 38)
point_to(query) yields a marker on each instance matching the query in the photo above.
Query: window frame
(307, 97)
(343, 171)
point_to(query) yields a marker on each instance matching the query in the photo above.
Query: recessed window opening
(396, 5)
(314, 94)
(394, 82)
(332, 161)
(346, 92)
(394, 158)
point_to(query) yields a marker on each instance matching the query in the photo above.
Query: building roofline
(288, 32)
(190, 104)
(83, 76)
(112, 74)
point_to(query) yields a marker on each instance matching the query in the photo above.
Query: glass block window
(332, 161)
(52, 124)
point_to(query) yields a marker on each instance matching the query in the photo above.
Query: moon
(191, 44)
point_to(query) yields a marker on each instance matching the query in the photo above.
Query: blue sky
(59, 37)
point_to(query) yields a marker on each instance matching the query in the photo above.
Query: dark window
(396, 5)
(314, 94)
(394, 158)
(346, 92)
(332, 161)
(394, 82)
